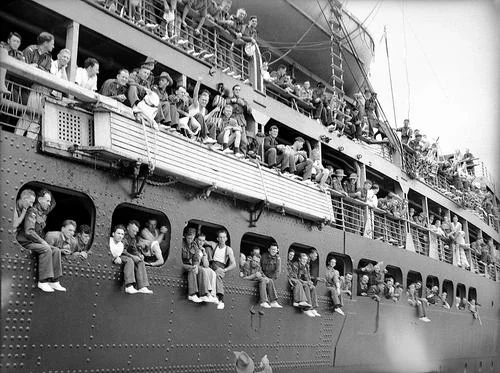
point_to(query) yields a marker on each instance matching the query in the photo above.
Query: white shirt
(220, 254)
(59, 72)
(371, 198)
(83, 79)
(116, 248)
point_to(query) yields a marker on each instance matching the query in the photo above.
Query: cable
(299, 40)
(406, 60)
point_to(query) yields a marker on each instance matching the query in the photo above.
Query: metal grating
(69, 127)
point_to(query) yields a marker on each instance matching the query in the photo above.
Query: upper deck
(108, 132)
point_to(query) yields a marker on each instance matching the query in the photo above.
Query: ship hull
(96, 327)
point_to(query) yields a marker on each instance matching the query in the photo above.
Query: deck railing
(420, 238)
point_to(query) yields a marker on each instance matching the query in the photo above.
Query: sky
(445, 60)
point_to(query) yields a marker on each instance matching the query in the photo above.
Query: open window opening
(395, 273)
(448, 289)
(461, 296)
(472, 294)
(210, 230)
(363, 280)
(431, 281)
(298, 249)
(69, 205)
(414, 277)
(344, 266)
(252, 243)
(153, 226)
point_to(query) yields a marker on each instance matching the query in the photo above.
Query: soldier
(30, 237)
(64, 239)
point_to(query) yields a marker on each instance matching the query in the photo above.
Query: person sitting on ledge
(64, 239)
(230, 136)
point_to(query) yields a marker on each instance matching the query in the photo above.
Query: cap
(339, 173)
(353, 176)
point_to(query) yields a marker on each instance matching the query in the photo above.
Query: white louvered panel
(195, 163)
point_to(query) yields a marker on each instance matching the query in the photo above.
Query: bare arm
(232, 262)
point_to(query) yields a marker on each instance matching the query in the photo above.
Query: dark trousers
(49, 261)
(197, 283)
(334, 294)
(267, 291)
(272, 158)
(298, 291)
(310, 291)
(134, 272)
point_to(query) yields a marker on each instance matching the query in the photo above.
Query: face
(333, 262)
(303, 259)
(64, 58)
(367, 185)
(190, 237)
(364, 279)
(201, 241)
(143, 73)
(418, 285)
(68, 230)
(274, 132)
(118, 234)
(222, 238)
(203, 100)
(376, 268)
(48, 45)
(28, 201)
(265, 66)
(14, 42)
(291, 255)
(406, 123)
(256, 260)
(181, 92)
(313, 255)
(45, 201)
(253, 22)
(85, 237)
(236, 91)
(132, 230)
(123, 77)
(307, 85)
(226, 5)
(348, 277)
(94, 70)
(273, 250)
(455, 219)
(299, 144)
(228, 110)
(152, 223)
(390, 282)
(412, 211)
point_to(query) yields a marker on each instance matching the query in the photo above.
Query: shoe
(309, 313)
(45, 287)
(246, 81)
(195, 54)
(208, 140)
(205, 299)
(220, 306)
(207, 55)
(131, 290)
(226, 69)
(145, 290)
(56, 286)
(275, 304)
(295, 304)
(212, 299)
(424, 319)
(237, 76)
(194, 298)
(316, 313)
(239, 155)
(304, 304)
(227, 151)
(217, 146)
(339, 310)
(308, 182)
(265, 305)
(182, 41)
(230, 73)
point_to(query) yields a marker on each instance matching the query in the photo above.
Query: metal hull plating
(96, 327)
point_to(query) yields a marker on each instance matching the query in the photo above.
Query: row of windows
(78, 207)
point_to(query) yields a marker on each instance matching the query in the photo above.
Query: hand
(66, 251)
(121, 98)
(163, 229)
(46, 245)
(220, 271)
(136, 258)
(258, 275)
(195, 269)
(348, 292)
(117, 260)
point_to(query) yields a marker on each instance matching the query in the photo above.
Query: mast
(390, 76)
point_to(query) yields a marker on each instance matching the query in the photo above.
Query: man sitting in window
(304, 277)
(271, 267)
(150, 242)
(221, 259)
(82, 248)
(30, 237)
(194, 259)
(64, 239)
(134, 268)
(299, 296)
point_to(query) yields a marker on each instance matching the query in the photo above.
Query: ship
(103, 168)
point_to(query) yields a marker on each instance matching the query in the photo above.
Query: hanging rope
(406, 60)
(263, 183)
(390, 76)
(151, 162)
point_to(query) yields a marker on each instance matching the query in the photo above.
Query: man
(300, 164)
(82, 249)
(205, 246)
(193, 258)
(321, 173)
(241, 110)
(208, 131)
(279, 76)
(332, 278)
(336, 182)
(250, 32)
(221, 259)
(305, 93)
(371, 109)
(39, 55)
(151, 241)
(86, 77)
(416, 143)
(304, 277)
(353, 212)
(162, 90)
(12, 46)
(363, 286)
(59, 66)
(179, 109)
(134, 269)
(321, 104)
(30, 237)
(406, 132)
(276, 154)
(271, 268)
(64, 239)
(24, 202)
(231, 133)
(139, 87)
(117, 88)
(313, 263)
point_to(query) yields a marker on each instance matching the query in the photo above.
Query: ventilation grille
(69, 127)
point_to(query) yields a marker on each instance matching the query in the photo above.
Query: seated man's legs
(163, 114)
(335, 296)
(45, 264)
(141, 275)
(270, 157)
(128, 271)
(322, 175)
(203, 282)
(219, 284)
(263, 290)
(192, 283)
(305, 168)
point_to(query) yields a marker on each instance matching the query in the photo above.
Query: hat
(339, 173)
(148, 62)
(191, 231)
(353, 176)
(152, 99)
(243, 362)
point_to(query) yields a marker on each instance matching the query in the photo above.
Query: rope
(330, 205)
(151, 164)
(262, 181)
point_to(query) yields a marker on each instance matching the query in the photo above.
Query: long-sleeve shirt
(271, 265)
(190, 253)
(332, 277)
(59, 240)
(270, 143)
(130, 244)
(112, 88)
(33, 225)
(303, 273)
